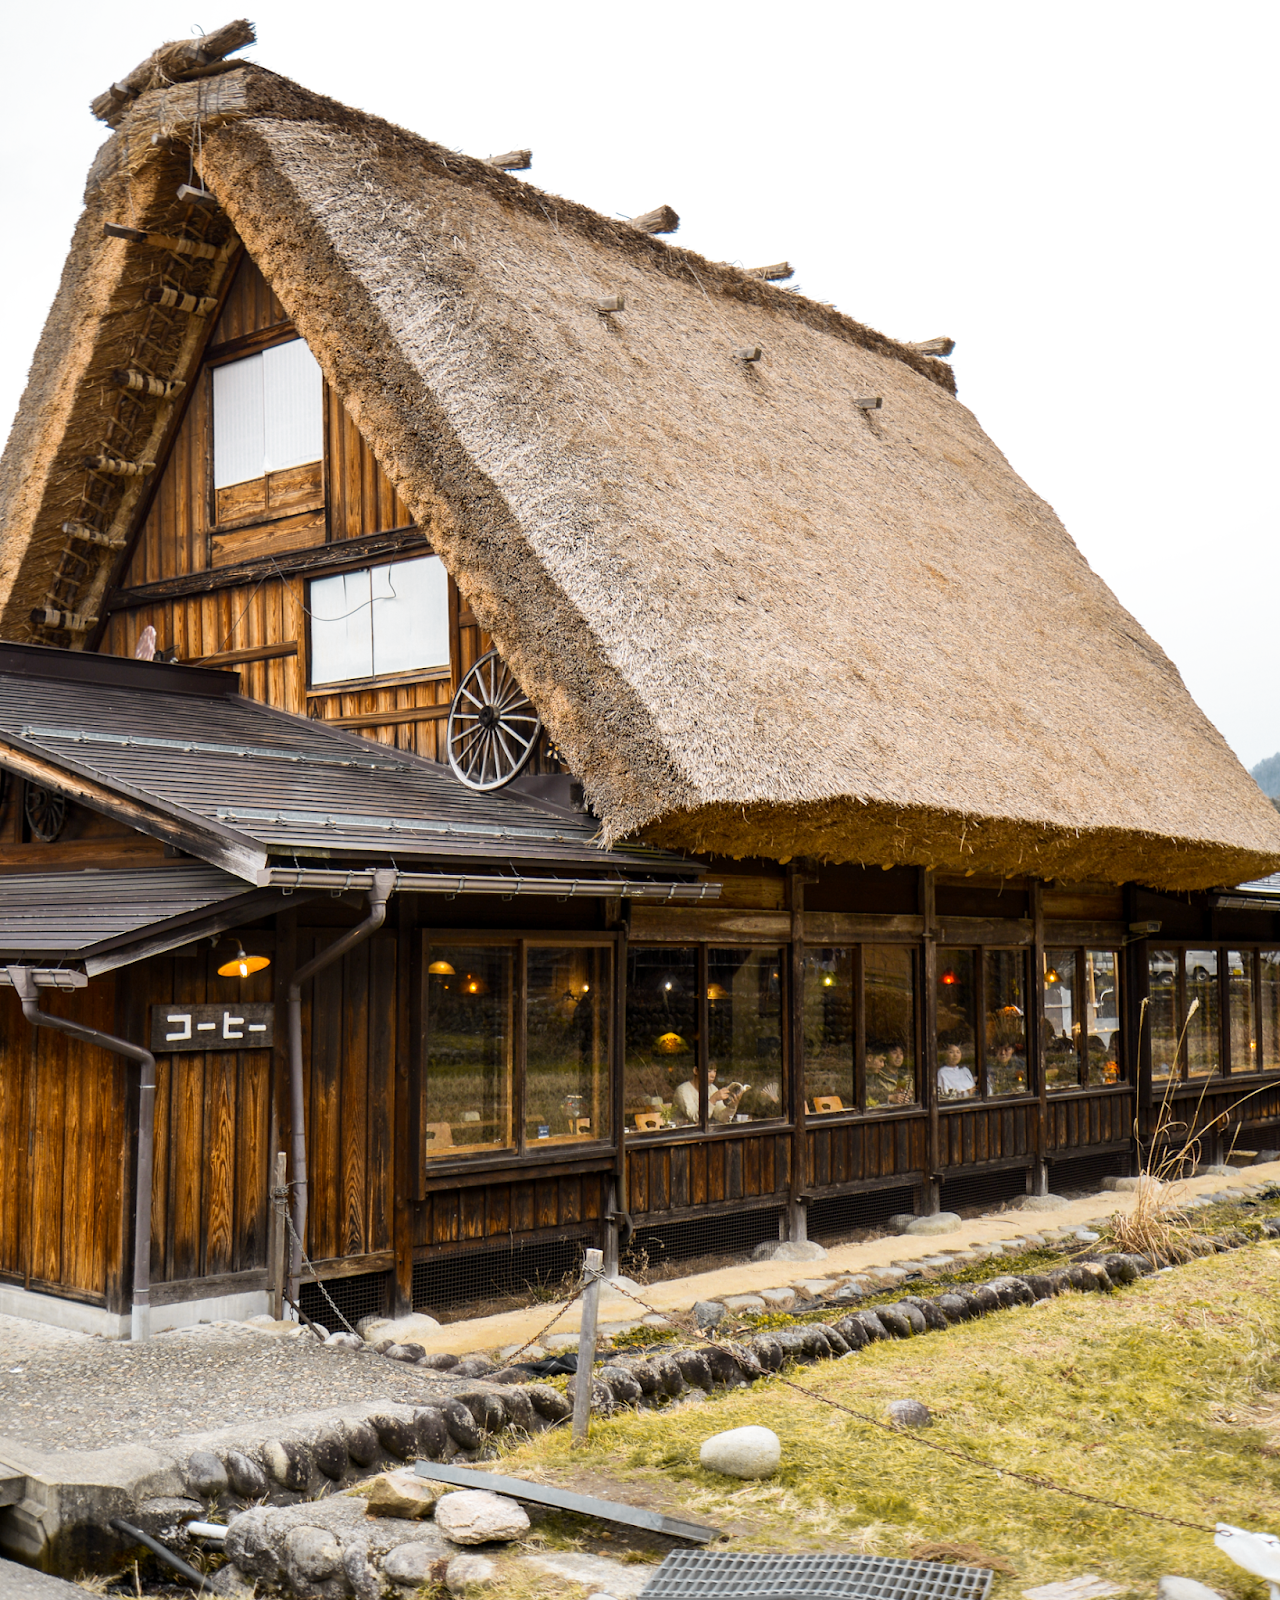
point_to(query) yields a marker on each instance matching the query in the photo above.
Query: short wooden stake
(592, 1262)
(71, 621)
(774, 274)
(748, 352)
(613, 302)
(87, 535)
(279, 1255)
(933, 347)
(663, 220)
(196, 197)
(868, 402)
(513, 161)
(196, 305)
(161, 388)
(117, 467)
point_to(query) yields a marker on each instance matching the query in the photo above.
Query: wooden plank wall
(349, 1050)
(249, 307)
(852, 1152)
(509, 1210)
(679, 1177)
(1088, 1119)
(987, 1133)
(209, 1206)
(63, 1137)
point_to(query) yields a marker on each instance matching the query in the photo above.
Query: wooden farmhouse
(572, 743)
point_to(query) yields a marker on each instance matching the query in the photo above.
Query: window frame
(521, 1149)
(980, 1096)
(245, 348)
(1254, 948)
(1126, 1077)
(860, 1110)
(705, 1128)
(430, 674)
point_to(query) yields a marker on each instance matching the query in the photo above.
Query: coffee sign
(223, 1027)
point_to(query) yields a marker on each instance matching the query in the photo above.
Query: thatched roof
(757, 617)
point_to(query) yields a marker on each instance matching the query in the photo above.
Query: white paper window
(267, 413)
(380, 620)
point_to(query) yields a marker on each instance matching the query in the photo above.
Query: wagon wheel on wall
(493, 726)
(46, 812)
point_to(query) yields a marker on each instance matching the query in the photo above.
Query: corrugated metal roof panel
(67, 912)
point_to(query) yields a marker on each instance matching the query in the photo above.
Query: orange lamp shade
(242, 965)
(948, 977)
(441, 969)
(670, 1044)
(717, 991)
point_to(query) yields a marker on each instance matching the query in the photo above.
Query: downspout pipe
(384, 883)
(24, 982)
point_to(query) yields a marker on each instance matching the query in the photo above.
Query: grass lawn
(1165, 1395)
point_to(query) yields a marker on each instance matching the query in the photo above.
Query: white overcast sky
(1083, 195)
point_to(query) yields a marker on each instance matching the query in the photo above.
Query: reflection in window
(468, 1049)
(1005, 1036)
(1201, 1050)
(568, 1002)
(1061, 1021)
(1244, 1027)
(744, 1011)
(1162, 1012)
(1102, 1016)
(660, 1076)
(1269, 962)
(957, 1019)
(890, 1000)
(828, 1004)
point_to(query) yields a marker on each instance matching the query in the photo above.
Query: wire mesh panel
(1087, 1172)
(447, 1282)
(707, 1575)
(983, 1188)
(362, 1296)
(733, 1233)
(833, 1215)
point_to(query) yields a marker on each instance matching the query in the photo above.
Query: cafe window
(704, 1039)
(378, 620)
(981, 1002)
(1211, 1011)
(475, 1030)
(859, 1018)
(1082, 1043)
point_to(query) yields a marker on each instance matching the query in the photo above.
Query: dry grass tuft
(1154, 1396)
(968, 1555)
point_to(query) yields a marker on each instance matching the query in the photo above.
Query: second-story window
(267, 414)
(380, 620)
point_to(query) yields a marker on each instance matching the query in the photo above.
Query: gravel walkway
(69, 1391)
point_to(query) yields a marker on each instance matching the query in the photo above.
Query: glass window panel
(1244, 1027)
(660, 1074)
(829, 1030)
(1270, 964)
(410, 615)
(1102, 1016)
(889, 988)
(468, 1049)
(341, 628)
(568, 1007)
(1202, 1020)
(1162, 1012)
(238, 450)
(744, 1010)
(293, 407)
(957, 1023)
(1005, 1037)
(1061, 1021)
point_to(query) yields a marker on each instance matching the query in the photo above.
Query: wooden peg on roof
(87, 535)
(612, 302)
(748, 352)
(144, 383)
(513, 161)
(117, 467)
(70, 621)
(161, 241)
(663, 220)
(868, 402)
(933, 347)
(779, 271)
(196, 305)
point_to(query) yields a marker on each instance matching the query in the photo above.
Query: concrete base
(80, 1318)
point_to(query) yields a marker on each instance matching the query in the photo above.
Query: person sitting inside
(1006, 1072)
(721, 1103)
(955, 1080)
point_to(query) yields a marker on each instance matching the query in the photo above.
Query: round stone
(329, 1451)
(461, 1425)
(892, 1318)
(311, 1555)
(362, 1443)
(549, 1403)
(693, 1368)
(439, 1361)
(245, 1476)
(520, 1409)
(623, 1385)
(940, 1222)
(432, 1433)
(409, 1565)
(289, 1463)
(206, 1476)
(470, 1574)
(707, 1313)
(396, 1436)
(908, 1414)
(474, 1366)
(742, 1452)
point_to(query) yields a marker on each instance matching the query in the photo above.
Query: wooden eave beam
(196, 836)
(127, 948)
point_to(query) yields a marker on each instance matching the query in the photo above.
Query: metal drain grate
(705, 1575)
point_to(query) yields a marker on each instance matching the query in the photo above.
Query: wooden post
(592, 1262)
(279, 1255)
(928, 1051)
(793, 995)
(1035, 1041)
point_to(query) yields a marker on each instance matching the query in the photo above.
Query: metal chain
(1033, 1479)
(279, 1199)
